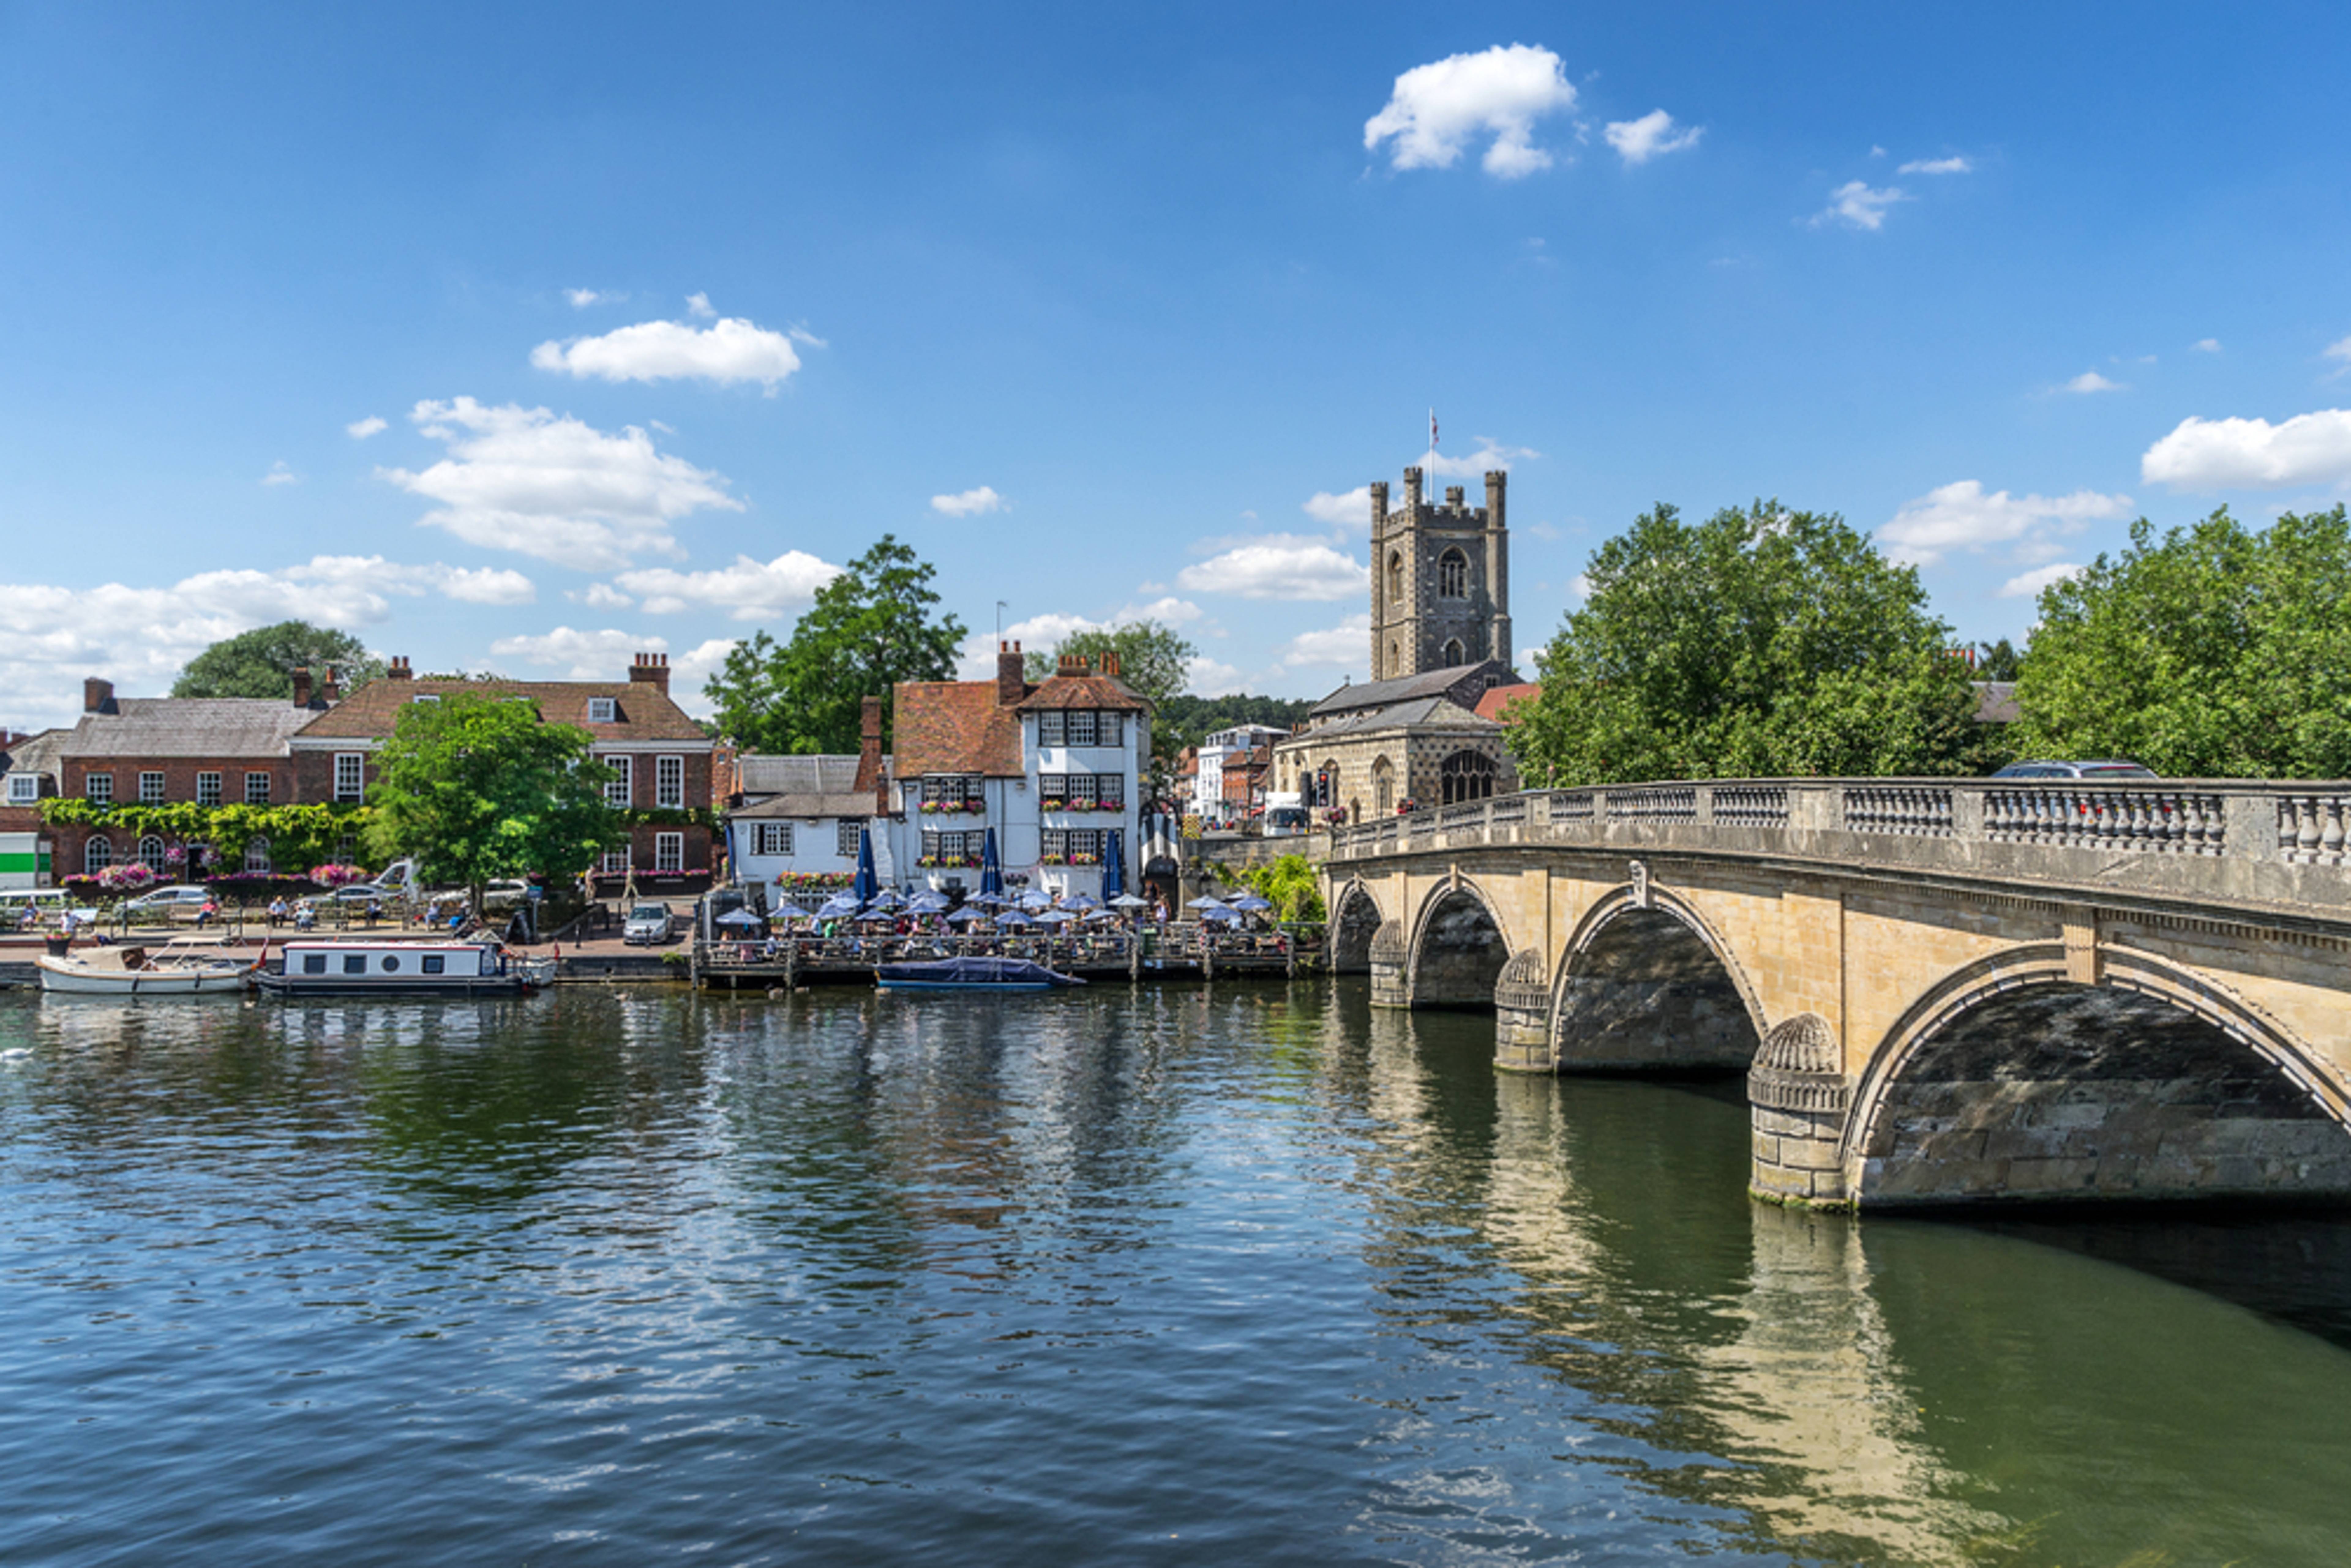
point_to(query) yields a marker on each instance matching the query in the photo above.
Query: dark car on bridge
(2116, 768)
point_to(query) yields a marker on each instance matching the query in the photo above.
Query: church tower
(1440, 580)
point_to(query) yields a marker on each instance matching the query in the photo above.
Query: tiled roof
(1427, 684)
(188, 726)
(1101, 693)
(35, 754)
(802, 787)
(645, 711)
(1426, 713)
(955, 726)
(1491, 704)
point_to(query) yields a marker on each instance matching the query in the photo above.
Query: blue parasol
(866, 883)
(1113, 864)
(992, 875)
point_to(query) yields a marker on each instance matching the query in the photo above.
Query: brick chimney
(1011, 675)
(399, 670)
(1110, 662)
(654, 670)
(331, 690)
(97, 696)
(302, 686)
(869, 755)
(1074, 664)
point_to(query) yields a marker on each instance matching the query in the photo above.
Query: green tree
(477, 788)
(1289, 884)
(1760, 642)
(1154, 659)
(870, 628)
(1998, 661)
(2212, 652)
(261, 663)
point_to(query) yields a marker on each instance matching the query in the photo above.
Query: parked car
(2116, 768)
(366, 893)
(504, 895)
(168, 903)
(648, 925)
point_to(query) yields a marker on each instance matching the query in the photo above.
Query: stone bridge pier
(1936, 992)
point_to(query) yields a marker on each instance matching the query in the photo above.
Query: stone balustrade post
(1967, 813)
(1813, 808)
(2250, 824)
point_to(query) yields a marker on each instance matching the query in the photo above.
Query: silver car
(648, 925)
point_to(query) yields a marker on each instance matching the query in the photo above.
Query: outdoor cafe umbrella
(1036, 898)
(991, 875)
(866, 883)
(928, 904)
(1207, 904)
(1102, 914)
(1128, 900)
(1013, 917)
(838, 905)
(742, 917)
(1113, 881)
(967, 915)
(1252, 903)
(1220, 914)
(1056, 917)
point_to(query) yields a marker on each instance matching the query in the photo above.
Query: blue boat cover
(977, 971)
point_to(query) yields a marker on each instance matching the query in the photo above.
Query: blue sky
(1114, 317)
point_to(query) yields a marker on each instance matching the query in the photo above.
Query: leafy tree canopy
(1998, 661)
(1154, 659)
(261, 663)
(1290, 884)
(1760, 642)
(2212, 652)
(478, 789)
(870, 628)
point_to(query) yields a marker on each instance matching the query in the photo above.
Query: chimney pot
(399, 670)
(1011, 676)
(97, 696)
(653, 669)
(302, 686)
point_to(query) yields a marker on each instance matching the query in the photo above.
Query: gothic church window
(1453, 653)
(1453, 575)
(1465, 775)
(1395, 577)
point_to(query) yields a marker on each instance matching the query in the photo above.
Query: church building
(1441, 642)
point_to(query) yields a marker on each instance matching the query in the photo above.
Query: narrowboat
(191, 966)
(327, 966)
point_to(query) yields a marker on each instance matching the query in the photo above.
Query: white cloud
(2340, 350)
(524, 479)
(1438, 108)
(280, 474)
(2206, 345)
(750, 588)
(968, 503)
(801, 334)
(2091, 381)
(2252, 454)
(1954, 165)
(1475, 465)
(2028, 585)
(1167, 611)
(360, 429)
(689, 670)
(581, 655)
(139, 637)
(1348, 643)
(583, 298)
(1278, 566)
(1859, 204)
(699, 305)
(1961, 516)
(1352, 509)
(1652, 135)
(976, 660)
(726, 351)
(602, 596)
(1580, 587)
(1209, 677)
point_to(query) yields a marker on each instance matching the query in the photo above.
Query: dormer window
(599, 710)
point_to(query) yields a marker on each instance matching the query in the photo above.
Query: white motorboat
(188, 967)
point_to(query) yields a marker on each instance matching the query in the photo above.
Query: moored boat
(972, 972)
(346, 966)
(185, 967)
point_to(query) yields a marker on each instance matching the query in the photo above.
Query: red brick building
(663, 757)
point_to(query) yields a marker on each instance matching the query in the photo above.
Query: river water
(1250, 1275)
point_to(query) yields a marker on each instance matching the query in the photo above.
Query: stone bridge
(1939, 991)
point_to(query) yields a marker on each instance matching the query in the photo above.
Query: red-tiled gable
(955, 726)
(1101, 693)
(641, 710)
(1497, 699)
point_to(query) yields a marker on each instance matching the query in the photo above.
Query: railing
(2148, 834)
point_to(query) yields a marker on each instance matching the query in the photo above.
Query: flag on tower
(1432, 430)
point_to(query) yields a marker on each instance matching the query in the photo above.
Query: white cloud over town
(1961, 516)
(1953, 165)
(1437, 110)
(1651, 136)
(2252, 454)
(582, 298)
(2091, 381)
(2028, 585)
(280, 474)
(1348, 643)
(1349, 509)
(139, 637)
(360, 429)
(1487, 455)
(1278, 566)
(750, 590)
(976, 660)
(1859, 204)
(600, 655)
(727, 351)
(968, 503)
(549, 486)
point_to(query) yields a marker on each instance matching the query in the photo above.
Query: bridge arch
(1457, 949)
(1354, 919)
(2018, 1077)
(1646, 983)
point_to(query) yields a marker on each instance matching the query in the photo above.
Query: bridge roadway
(1939, 991)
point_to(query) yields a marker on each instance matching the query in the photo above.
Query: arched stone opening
(1453, 575)
(2057, 1091)
(1465, 775)
(1459, 956)
(1354, 922)
(1645, 992)
(1383, 795)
